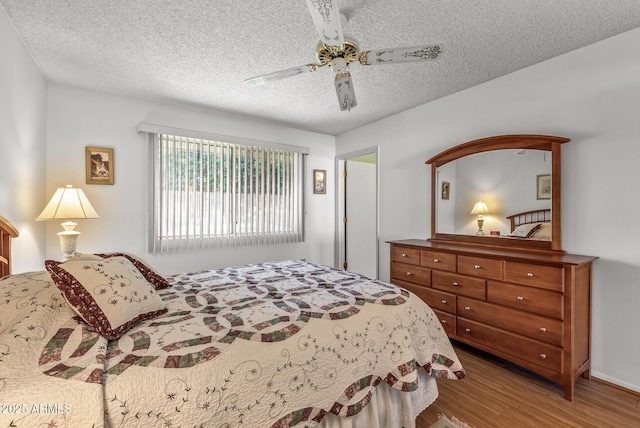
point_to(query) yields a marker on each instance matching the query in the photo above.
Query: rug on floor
(445, 422)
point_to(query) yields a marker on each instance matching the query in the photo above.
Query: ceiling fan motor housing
(349, 51)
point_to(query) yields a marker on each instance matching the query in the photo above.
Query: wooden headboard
(535, 216)
(7, 231)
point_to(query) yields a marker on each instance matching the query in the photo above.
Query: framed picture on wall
(320, 181)
(543, 186)
(99, 165)
(446, 189)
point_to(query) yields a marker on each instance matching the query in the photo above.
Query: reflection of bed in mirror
(534, 224)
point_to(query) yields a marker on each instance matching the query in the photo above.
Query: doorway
(357, 212)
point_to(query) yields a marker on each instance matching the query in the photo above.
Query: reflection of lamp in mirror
(68, 203)
(480, 209)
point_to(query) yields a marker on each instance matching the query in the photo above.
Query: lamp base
(480, 231)
(68, 242)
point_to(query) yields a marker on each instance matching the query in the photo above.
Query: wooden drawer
(481, 267)
(548, 330)
(438, 260)
(410, 256)
(416, 289)
(458, 284)
(537, 353)
(439, 300)
(548, 277)
(411, 273)
(447, 321)
(536, 300)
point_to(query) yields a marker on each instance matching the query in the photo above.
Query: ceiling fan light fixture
(339, 65)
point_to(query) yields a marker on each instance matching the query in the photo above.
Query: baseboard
(615, 383)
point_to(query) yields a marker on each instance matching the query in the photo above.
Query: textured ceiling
(199, 52)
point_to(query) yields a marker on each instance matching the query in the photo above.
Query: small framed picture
(543, 186)
(99, 165)
(320, 181)
(446, 188)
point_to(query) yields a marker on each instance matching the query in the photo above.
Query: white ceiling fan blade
(405, 54)
(282, 74)
(326, 18)
(345, 92)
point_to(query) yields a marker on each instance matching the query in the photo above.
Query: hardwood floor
(499, 394)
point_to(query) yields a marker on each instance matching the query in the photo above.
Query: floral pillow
(110, 294)
(149, 273)
(543, 233)
(525, 230)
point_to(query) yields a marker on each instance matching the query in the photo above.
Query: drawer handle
(543, 356)
(467, 308)
(455, 284)
(530, 275)
(467, 330)
(444, 302)
(403, 255)
(443, 321)
(543, 330)
(520, 298)
(436, 261)
(409, 274)
(476, 267)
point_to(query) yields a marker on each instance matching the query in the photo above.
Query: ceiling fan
(338, 51)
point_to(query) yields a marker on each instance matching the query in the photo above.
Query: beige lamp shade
(68, 203)
(480, 208)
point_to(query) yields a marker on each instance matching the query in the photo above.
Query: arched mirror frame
(501, 142)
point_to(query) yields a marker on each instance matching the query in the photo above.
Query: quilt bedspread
(269, 345)
(41, 346)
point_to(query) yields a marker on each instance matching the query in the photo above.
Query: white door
(361, 240)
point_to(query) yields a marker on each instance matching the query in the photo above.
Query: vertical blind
(210, 193)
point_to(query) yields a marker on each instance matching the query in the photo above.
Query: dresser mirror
(511, 175)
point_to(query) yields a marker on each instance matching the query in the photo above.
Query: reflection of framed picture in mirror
(320, 181)
(99, 165)
(543, 186)
(446, 187)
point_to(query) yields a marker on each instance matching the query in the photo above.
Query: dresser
(527, 308)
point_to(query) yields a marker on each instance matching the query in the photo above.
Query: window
(211, 193)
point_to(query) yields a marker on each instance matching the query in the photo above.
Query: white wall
(79, 118)
(591, 95)
(23, 96)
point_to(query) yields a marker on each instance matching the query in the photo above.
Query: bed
(534, 224)
(280, 344)
(7, 232)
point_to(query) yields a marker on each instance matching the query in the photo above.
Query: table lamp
(68, 203)
(480, 209)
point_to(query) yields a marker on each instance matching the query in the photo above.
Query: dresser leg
(568, 389)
